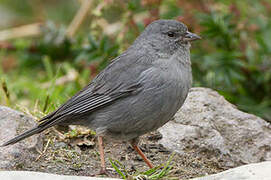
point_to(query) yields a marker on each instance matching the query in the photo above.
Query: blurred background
(51, 49)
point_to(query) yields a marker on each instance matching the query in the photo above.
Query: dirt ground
(80, 156)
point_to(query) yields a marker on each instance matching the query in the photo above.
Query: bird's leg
(138, 150)
(101, 149)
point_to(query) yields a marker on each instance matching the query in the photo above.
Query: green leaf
(116, 168)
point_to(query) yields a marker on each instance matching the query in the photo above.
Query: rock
(13, 123)
(208, 126)
(28, 175)
(247, 172)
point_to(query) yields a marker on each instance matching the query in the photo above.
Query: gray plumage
(138, 92)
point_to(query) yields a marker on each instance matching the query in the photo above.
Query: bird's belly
(133, 116)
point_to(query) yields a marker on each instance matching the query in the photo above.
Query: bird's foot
(103, 171)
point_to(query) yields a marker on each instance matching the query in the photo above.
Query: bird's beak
(191, 36)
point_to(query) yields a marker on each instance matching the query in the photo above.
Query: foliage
(238, 62)
(47, 60)
(162, 171)
(234, 56)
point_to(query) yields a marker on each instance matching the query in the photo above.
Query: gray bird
(138, 92)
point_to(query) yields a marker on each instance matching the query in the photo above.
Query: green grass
(37, 88)
(163, 171)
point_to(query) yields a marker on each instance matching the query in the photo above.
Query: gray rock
(13, 123)
(255, 171)
(27, 175)
(210, 127)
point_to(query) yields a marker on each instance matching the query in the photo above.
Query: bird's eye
(171, 34)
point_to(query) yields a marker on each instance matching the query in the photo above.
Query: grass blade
(116, 168)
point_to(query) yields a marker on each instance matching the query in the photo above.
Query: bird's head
(167, 36)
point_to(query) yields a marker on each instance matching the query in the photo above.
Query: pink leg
(101, 149)
(138, 150)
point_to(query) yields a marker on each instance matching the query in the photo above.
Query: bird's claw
(103, 171)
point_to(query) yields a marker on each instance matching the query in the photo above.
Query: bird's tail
(24, 135)
(47, 122)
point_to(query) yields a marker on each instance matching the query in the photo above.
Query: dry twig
(22, 31)
(45, 149)
(79, 18)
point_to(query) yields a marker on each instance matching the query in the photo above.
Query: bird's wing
(116, 81)
(86, 103)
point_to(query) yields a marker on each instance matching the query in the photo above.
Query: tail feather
(41, 127)
(23, 136)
